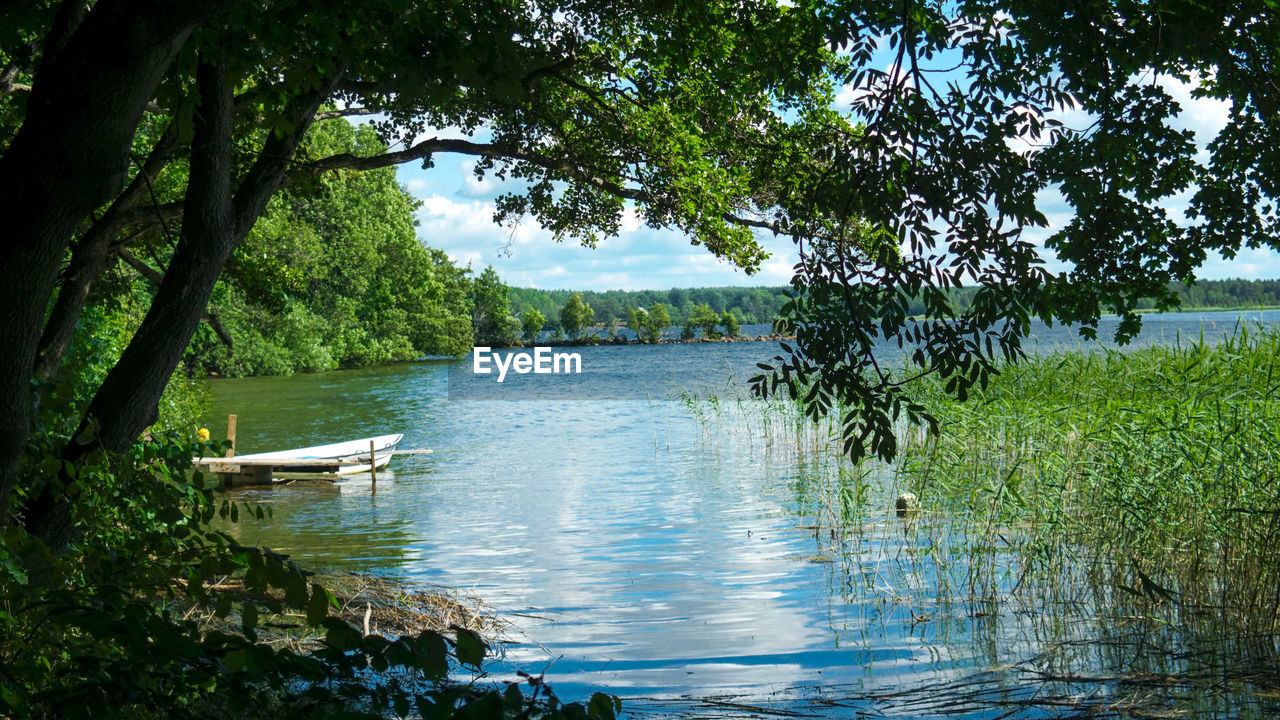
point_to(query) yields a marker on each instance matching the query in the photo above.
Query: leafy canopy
(962, 138)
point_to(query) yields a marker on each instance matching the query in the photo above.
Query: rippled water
(645, 553)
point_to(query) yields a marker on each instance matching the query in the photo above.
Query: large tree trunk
(70, 157)
(214, 222)
(128, 398)
(92, 255)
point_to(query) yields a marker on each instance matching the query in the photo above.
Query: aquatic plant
(1143, 482)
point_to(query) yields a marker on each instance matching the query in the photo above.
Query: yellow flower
(203, 434)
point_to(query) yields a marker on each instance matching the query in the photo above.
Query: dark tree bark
(156, 278)
(214, 222)
(71, 156)
(92, 255)
(148, 361)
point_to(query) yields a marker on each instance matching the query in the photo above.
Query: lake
(674, 559)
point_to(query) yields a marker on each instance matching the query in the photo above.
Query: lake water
(665, 559)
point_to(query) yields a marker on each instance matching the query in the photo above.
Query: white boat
(353, 454)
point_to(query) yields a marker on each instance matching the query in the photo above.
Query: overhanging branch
(425, 149)
(345, 112)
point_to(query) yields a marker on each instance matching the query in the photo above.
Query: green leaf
(469, 648)
(604, 707)
(236, 660)
(318, 606)
(341, 636)
(432, 654)
(249, 620)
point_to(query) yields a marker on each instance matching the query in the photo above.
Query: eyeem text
(540, 362)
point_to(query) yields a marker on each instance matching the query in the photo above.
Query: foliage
(962, 141)
(532, 322)
(730, 323)
(753, 305)
(1225, 294)
(659, 320)
(648, 324)
(576, 316)
(702, 318)
(333, 276)
(97, 344)
(491, 312)
(90, 633)
(637, 321)
(760, 305)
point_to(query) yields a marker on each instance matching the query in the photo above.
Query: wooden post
(231, 435)
(373, 470)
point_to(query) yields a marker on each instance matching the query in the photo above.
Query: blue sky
(457, 217)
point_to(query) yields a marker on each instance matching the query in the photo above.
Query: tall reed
(1145, 481)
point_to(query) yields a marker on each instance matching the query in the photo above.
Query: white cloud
(640, 258)
(1203, 116)
(476, 187)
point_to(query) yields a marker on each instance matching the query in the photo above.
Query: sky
(457, 217)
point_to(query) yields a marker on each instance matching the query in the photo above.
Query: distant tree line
(1226, 294)
(749, 305)
(1204, 294)
(693, 308)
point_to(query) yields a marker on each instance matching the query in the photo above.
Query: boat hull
(353, 454)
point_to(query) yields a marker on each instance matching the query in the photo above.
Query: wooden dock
(264, 472)
(236, 473)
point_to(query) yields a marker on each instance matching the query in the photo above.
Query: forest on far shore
(756, 305)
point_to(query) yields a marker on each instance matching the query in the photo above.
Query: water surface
(651, 554)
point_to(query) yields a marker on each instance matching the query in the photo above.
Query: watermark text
(539, 362)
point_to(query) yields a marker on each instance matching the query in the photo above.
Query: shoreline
(768, 337)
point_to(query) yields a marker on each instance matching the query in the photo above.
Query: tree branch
(425, 149)
(345, 112)
(156, 279)
(91, 257)
(270, 170)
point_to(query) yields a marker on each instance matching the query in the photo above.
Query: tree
(576, 316)
(332, 275)
(670, 109)
(532, 322)
(491, 311)
(730, 323)
(702, 318)
(659, 319)
(648, 324)
(638, 322)
(956, 145)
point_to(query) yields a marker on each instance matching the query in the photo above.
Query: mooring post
(231, 435)
(373, 470)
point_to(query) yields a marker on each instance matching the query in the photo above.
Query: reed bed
(1122, 508)
(1152, 475)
